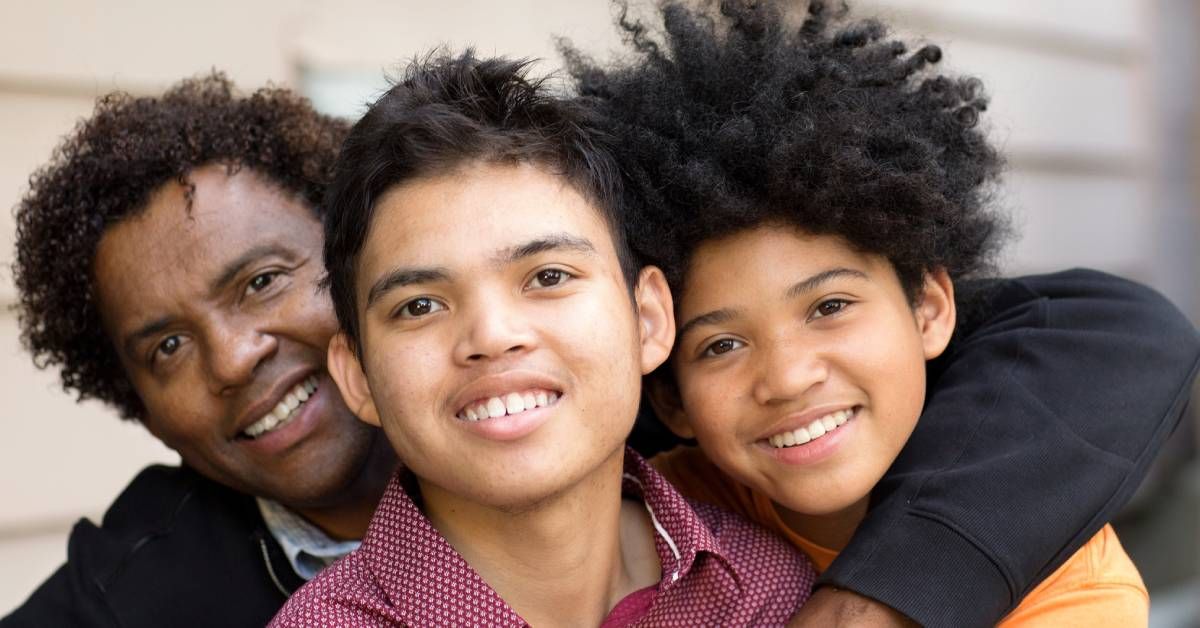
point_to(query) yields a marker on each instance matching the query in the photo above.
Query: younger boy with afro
(814, 193)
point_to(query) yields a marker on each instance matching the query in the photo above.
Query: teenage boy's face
(801, 363)
(216, 315)
(501, 350)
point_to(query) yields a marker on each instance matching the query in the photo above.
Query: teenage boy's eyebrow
(400, 277)
(541, 244)
(814, 282)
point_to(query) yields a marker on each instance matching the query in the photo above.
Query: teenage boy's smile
(511, 347)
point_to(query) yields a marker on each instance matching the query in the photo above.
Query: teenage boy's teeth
(285, 411)
(512, 403)
(812, 431)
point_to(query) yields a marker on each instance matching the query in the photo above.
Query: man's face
(501, 350)
(217, 318)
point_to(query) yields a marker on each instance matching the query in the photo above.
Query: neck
(565, 561)
(833, 530)
(348, 517)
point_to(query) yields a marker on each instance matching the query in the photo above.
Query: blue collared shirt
(308, 549)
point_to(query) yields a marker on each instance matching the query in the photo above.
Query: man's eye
(548, 278)
(724, 345)
(421, 306)
(830, 307)
(260, 282)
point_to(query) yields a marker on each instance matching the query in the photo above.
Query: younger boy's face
(501, 350)
(801, 363)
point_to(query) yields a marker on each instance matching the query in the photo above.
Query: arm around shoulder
(1040, 421)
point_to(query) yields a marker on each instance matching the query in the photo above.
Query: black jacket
(175, 549)
(1041, 420)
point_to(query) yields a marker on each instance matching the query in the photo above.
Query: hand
(833, 607)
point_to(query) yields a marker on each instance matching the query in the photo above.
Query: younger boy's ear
(348, 374)
(936, 313)
(656, 317)
(664, 398)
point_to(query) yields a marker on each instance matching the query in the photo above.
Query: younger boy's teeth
(509, 404)
(285, 410)
(812, 431)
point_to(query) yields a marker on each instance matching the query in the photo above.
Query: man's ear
(664, 398)
(656, 317)
(348, 374)
(936, 313)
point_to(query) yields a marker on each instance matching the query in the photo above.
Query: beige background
(1086, 100)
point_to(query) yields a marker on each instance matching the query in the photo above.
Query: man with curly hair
(168, 263)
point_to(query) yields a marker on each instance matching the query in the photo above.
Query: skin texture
(807, 326)
(505, 278)
(227, 296)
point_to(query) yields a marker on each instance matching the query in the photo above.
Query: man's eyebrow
(812, 283)
(145, 331)
(401, 277)
(551, 242)
(230, 270)
(714, 317)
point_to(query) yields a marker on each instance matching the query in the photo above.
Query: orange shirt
(1098, 586)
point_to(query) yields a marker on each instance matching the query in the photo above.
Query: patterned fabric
(308, 549)
(717, 569)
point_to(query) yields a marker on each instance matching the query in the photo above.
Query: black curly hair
(745, 113)
(105, 172)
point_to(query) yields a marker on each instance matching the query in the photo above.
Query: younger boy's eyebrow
(814, 282)
(714, 317)
(400, 277)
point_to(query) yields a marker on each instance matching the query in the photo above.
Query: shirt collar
(409, 558)
(307, 547)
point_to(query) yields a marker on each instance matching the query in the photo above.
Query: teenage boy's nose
(233, 352)
(493, 328)
(784, 371)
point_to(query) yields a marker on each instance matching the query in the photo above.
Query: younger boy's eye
(830, 307)
(548, 277)
(724, 345)
(418, 307)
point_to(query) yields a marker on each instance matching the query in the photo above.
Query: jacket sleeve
(1040, 421)
(69, 597)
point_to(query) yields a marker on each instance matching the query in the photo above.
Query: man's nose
(235, 352)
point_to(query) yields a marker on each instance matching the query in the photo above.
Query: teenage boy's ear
(348, 374)
(935, 312)
(656, 317)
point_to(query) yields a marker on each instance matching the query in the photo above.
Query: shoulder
(763, 560)
(344, 594)
(1097, 586)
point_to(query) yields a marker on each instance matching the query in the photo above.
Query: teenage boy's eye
(548, 278)
(830, 307)
(418, 307)
(724, 345)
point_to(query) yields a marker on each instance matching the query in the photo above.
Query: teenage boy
(497, 329)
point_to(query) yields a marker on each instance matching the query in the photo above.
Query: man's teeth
(283, 413)
(512, 403)
(812, 431)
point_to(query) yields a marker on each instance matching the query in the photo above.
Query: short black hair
(447, 111)
(106, 171)
(739, 115)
